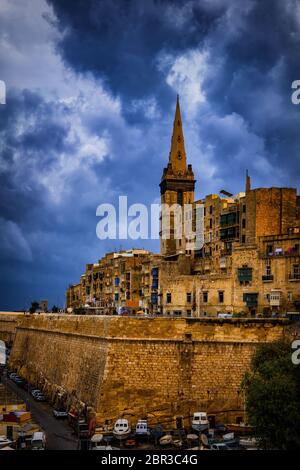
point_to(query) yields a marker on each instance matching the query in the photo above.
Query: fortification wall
(155, 367)
(8, 325)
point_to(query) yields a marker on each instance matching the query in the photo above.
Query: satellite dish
(226, 193)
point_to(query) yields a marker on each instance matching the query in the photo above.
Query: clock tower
(176, 187)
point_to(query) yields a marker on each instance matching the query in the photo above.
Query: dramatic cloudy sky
(91, 89)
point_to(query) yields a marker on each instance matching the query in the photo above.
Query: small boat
(220, 428)
(4, 442)
(157, 432)
(141, 429)
(177, 443)
(230, 440)
(166, 440)
(200, 421)
(96, 442)
(130, 443)
(121, 429)
(241, 428)
(249, 442)
(192, 437)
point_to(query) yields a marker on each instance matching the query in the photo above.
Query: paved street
(59, 434)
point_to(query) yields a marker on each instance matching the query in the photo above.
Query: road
(59, 434)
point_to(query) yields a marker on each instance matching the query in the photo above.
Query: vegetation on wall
(272, 390)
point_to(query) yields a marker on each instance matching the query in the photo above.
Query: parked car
(60, 413)
(19, 381)
(39, 397)
(225, 315)
(15, 378)
(35, 391)
(12, 375)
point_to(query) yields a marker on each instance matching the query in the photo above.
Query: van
(38, 441)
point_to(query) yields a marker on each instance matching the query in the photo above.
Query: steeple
(176, 187)
(177, 156)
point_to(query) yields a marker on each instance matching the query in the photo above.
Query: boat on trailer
(200, 421)
(121, 429)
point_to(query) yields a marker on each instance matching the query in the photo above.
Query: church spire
(177, 156)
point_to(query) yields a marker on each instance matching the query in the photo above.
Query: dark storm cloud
(120, 39)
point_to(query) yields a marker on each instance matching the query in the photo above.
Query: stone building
(248, 263)
(122, 282)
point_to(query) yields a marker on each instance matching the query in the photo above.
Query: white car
(35, 392)
(38, 441)
(224, 315)
(60, 413)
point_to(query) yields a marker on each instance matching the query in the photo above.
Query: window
(269, 249)
(189, 297)
(296, 271)
(221, 296)
(290, 297)
(243, 238)
(244, 274)
(210, 209)
(169, 298)
(268, 267)
(205, 297)
(243, 223)
(244, 208)
(210, 223)
(189, 313)
(179, 197)
(250, 299)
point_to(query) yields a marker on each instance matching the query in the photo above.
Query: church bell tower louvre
(176, 187)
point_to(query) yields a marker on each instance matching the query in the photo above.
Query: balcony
(245, 274)
(250, 299)
(279, 253)
(267, 278)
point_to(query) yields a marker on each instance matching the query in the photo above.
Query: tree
(272, 391)
(34, 306)
(79, 311)
(54, 309)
